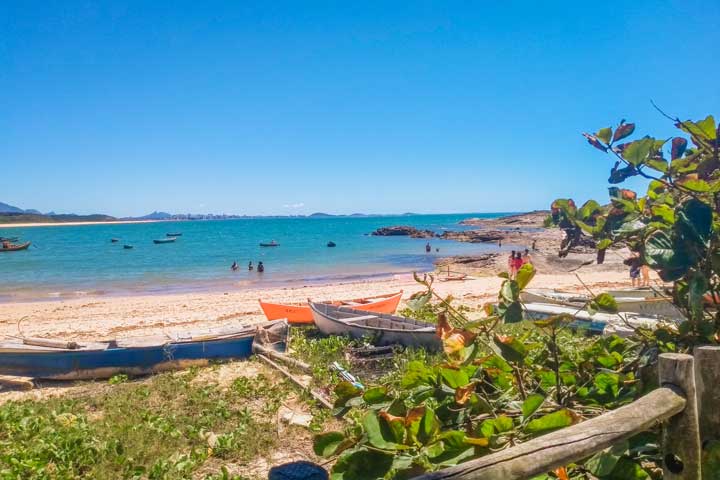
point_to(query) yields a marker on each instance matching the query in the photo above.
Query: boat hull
(399, 330)
(61, 364)
(16, 248)
(301, 314)
(164, 240)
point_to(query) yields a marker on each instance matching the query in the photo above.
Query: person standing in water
(428, 248)
(234, 267)
(250, 267)
(261, 267)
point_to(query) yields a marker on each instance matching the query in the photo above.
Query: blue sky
(295, 107)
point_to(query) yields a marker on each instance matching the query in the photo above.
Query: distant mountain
(5, 208)
(320, 214)
(155, 216)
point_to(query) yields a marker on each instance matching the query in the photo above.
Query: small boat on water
(164, 240)
(622, 324)
(650, 306)
(331, 244)
(300, 313)
(15, 247)
(127, 247)
(63, 360)
(173, 234)
(381, 328)
(9, 239)
(269, 244)
(114, 240)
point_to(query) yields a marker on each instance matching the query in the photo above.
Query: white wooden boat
(622, 323)
(651, 306)
(380, 328)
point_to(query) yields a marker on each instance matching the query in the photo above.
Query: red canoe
(300, 313)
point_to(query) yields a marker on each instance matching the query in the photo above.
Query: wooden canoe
(15, 248)
(300, 313)
(61, 360)
(164, 240)
(380, 328)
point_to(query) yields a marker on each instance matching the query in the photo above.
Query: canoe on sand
(69, 360)
(15, 248)
(300, 313)
(380, 328)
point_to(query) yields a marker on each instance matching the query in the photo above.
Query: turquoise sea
(81, 260)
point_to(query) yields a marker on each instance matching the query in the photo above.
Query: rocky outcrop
(474, 236)
(403, 230)
(529, 219)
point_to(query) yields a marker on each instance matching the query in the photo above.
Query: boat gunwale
(412, 321)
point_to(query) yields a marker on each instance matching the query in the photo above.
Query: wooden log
(268, 352)
(317, 396)
(707, 383)
(570, 444)
(681, 435)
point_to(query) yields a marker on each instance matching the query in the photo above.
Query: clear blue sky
(294, 107)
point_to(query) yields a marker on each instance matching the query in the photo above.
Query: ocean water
(81, 260)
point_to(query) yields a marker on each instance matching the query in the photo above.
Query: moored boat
(127, 247)
(651, 306)
(60, 360)
(15, 247)
(622, 323)
(331, 244)
(114, 240)
(300, 313)
(164, 240)
(380, 328)
(173, 234)
(269, 244)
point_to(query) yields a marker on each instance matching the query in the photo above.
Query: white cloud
(294, 205)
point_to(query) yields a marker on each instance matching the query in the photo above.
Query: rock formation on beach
(403, 231)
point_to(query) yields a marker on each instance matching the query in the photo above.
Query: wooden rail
(571, 444)
(688, 415)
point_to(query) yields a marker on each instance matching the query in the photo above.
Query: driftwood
(282, 358)
(46, 342)
(317, 396)
(681, 437)
(570, 444)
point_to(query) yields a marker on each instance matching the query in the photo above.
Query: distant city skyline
(123, 108)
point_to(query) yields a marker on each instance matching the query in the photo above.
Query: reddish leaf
(679, 145)
(561, 473)
(463, 394)
(391, 418)
(592, 140)
(624, 130)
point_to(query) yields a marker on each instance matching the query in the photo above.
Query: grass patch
(162, 428)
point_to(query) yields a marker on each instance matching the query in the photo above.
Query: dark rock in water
(403, 230)
(474, 236)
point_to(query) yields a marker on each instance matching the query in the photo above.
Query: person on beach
(534, 248)
(499, 243)
(511, 264)
(517, 263)
(635, 266)
(526, 257)
(645, 272)
(261, 267)
(234, 267)
(428, 248)
(250, 267)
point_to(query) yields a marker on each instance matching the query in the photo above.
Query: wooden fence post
(681, 434)
(707, 382)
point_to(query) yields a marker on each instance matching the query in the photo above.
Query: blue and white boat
(61, 360)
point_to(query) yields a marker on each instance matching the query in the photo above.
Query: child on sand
(511, 262)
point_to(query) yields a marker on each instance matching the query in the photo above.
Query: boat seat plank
(361, 319)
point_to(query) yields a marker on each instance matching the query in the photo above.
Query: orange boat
(300, 313)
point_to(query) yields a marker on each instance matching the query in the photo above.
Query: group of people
(260, 267)
(516, 260)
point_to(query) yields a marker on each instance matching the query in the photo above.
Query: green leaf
(604, 134)
(503, 423)
(511, 348)
(524, 275)
(605, 303)
(344, 392)
(454, 378)
(513, 313)
(531, 404)
(658, 164)
(379, 435)
(697, 288)
(416, 374)
(695, 185)
(415, 303)
(326, 444)
(695, 218)
(607, 383)
(663, 212)
(552, 421)
(375, 395)
(510, 292)
(604, 244)
(661, 255)
(362, 465)
(626, 469)
(603, 463)
(704, 128)
(428, 427)
(636, 153)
